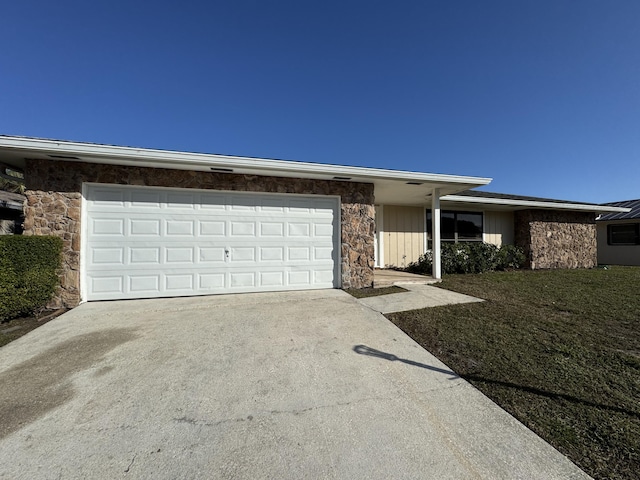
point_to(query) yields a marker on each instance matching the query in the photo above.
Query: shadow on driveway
(372, 352)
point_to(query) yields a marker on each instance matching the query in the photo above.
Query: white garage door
(144, 242)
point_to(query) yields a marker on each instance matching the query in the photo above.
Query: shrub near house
(471, 257)
(29, 269)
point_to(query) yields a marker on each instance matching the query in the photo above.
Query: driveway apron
(293, 385)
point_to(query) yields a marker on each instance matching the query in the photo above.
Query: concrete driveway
(281, 385)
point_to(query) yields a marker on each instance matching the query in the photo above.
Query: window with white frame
(458, 226)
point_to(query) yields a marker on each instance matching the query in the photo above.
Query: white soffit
(390, 184)
(511, 204)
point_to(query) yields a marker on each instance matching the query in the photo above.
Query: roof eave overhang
(21, 147)
(522, 204)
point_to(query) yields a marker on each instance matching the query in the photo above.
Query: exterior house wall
(556, 239)
(404, 235)
(54, 202)
(404, 232)
(616, 254)
(498, 228)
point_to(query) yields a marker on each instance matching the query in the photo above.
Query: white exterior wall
(616, 254)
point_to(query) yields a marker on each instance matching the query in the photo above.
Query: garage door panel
(108, 197)
(212, 228)
(145, 199)
(154, 242)
(186, 201)
(108, 285)
(242, 229)
(242, 280)
(106, 226)
(299, 253)
(322, 276)
(176, 281)
(212, 255)
(147, 283)
(272, 229)
(144, 227)
(323, 230)
(300, 277)
(107, 256)
(242, 254)
(271, 254)
(179, 227)
(271, 279)
(144, 256)
(298, 229)
(213, 201)
(211, 282)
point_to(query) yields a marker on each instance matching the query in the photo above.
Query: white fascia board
(258, 166)
(533, 204)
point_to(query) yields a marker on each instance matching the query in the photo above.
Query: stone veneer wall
(54, 199)
(557, 239)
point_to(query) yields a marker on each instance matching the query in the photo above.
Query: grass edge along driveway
(559, 350)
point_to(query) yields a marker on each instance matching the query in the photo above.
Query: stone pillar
(358, 249)
(58, 214)
(557, 238)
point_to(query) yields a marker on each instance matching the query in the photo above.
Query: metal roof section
(632, 213)
(404, 187)
(520, 202)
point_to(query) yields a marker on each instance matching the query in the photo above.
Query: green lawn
(559, 350)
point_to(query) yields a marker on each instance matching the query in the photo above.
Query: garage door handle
(226, 252)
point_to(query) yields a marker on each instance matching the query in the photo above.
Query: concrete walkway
(418, 296)
(299, 385)
(387, 278)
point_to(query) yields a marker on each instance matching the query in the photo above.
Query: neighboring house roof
(518, 202)
(398, 186)
(634, 212)
(13, 201)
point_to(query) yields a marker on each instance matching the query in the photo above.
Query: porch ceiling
(404, 192)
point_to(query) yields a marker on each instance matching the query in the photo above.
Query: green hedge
(471, 257)
(29, 268)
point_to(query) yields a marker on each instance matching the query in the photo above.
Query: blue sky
(543, 96)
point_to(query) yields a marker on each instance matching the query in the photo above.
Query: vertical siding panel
(404, 234)
(499, 227)
(388, 217)
(396, 229)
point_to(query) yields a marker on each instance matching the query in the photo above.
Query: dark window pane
(447, 226)
(469, 226)
(625, 234)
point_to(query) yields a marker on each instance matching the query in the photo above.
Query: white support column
(435, 234)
